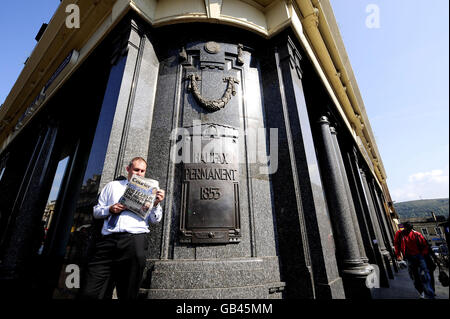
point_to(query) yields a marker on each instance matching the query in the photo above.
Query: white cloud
(436, 175)
(424, 185)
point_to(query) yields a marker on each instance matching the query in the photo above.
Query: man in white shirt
(119, 256)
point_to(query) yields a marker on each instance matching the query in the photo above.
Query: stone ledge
(248, 292)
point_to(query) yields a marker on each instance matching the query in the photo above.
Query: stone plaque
(210, 192)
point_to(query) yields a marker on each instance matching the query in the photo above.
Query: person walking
(119, 254)
(411, 246)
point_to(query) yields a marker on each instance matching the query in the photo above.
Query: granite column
(349, 195)
(355, 272)
(376, 224)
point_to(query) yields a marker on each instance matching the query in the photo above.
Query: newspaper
(140, 195)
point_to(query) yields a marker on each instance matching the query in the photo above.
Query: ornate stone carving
(212, 105)
(183, 54)
(240, 58)
(212, 47)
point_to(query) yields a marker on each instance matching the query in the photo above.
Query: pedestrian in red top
(413, 247)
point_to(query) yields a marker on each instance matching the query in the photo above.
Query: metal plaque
(210, 192)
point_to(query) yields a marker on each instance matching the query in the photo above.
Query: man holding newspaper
(119, 256)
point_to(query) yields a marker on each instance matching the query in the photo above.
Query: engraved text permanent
(210, 174)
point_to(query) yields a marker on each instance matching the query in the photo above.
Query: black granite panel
(292, 246)
(193, 75)
(30, 207)
(18, 158)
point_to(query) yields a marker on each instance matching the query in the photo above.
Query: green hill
(422, 208)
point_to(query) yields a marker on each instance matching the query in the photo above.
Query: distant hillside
(422, 208)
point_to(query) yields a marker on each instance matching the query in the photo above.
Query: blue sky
(20, 21)
(402, 69)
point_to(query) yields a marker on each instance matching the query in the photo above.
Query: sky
(399, 52)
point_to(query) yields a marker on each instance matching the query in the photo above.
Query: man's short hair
(407, 226)
(138, 158)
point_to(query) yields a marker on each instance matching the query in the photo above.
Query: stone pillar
(389, 226)
(389, 239)
(351, 204)
(389, 221)
(385, 230)
(367, 229)
(355, 272)
(376, 224)
(137, 71)
(297, 151)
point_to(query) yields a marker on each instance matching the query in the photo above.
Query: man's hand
(159, 197)
(116, 208)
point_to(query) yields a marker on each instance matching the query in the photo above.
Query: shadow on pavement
(402, 287)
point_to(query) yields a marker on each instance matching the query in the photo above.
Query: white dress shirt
(127, 221)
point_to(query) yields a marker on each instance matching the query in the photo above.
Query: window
(83, 227)
(424, 231)
(3, 166)
(438, 231)
(47, 217)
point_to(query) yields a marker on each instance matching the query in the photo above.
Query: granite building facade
(249, 117)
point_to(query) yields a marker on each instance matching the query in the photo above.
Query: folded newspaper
(140, 195)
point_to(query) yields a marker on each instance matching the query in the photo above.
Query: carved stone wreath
(212, 105)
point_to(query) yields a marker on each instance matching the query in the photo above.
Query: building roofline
(312, 20)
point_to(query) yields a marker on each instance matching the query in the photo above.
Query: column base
(383, 268)
(240, 278)
(359, 280)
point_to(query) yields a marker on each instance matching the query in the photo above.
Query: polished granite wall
(281, 243)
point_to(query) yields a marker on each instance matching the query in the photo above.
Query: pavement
(402, 287)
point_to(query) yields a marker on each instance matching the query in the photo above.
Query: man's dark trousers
(118, 259)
